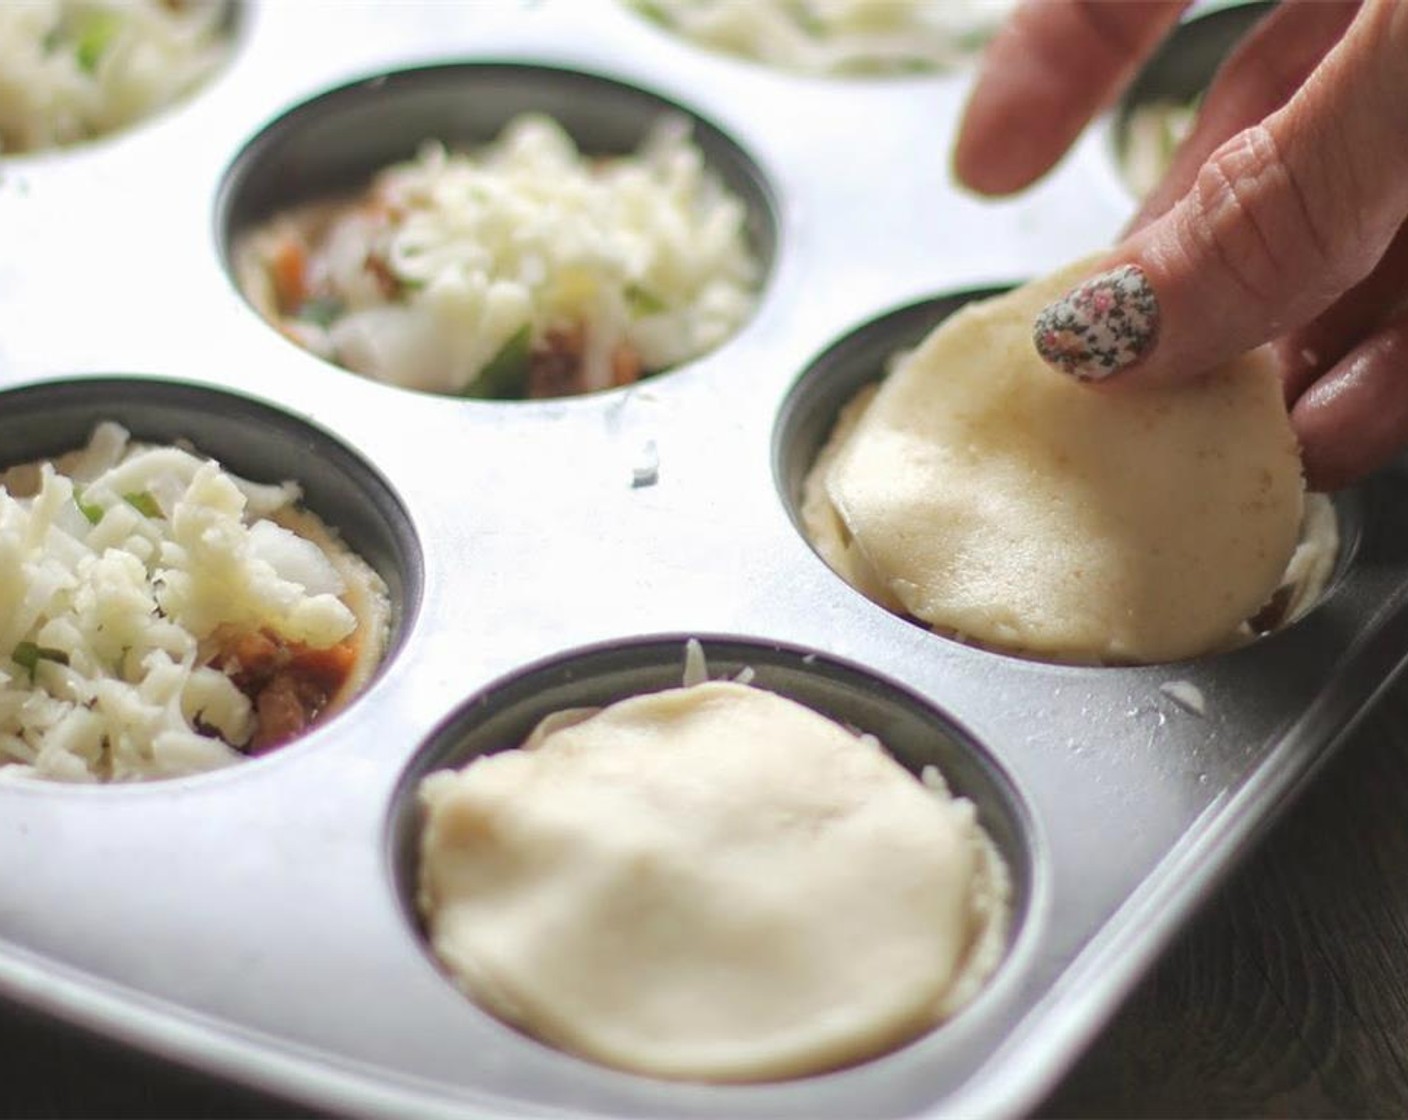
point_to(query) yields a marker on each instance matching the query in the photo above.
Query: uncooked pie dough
(992, 498)
(711, 883)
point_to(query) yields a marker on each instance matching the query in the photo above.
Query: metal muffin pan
(1184, 66)
(256, 923)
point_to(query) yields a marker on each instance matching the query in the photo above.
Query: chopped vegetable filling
(522, 269)
(71, 70)
(290, 683)
(168, 617)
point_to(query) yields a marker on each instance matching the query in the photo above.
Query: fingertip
(1354, 420)
(1298, 363)
(987, 177)
(990, 156)
(1326, 474)
(1326, 461)
(1106, 325)
(1031, 98)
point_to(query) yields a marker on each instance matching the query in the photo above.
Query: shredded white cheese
(1313, 562)
(696, 668)
(457, 265)
(119, 565)
(71, 70)
(837, 37)
(1152, 134)
(1186, 695)
(645, 471)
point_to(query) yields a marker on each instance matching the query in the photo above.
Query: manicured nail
(1101, 326)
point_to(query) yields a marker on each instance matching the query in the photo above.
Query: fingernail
(1101, 326)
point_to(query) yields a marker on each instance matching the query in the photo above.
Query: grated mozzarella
(109, 613)
(633, 263)
(71, 70)
(837, 37)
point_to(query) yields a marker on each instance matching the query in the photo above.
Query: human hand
(1281, 219)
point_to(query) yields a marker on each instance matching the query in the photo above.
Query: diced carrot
(376, 207)
(555, 364)
(386, 279)
(251, 654)
(625, 365)
(284, 708)
(330, 667)
(289, 268)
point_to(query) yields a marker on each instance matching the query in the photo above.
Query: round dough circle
(711, 883)
(992, 498)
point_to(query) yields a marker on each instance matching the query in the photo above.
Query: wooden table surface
(1286, 997)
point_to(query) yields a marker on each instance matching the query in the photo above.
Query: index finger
(1052, 67)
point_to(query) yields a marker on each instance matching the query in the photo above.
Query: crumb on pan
(1186, 695)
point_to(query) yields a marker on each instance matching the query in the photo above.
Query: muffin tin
(1184, 66)
(258, 923)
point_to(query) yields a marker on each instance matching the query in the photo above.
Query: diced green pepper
(505, 377)
(652, 11)
(321, 310)
(91, 510)
(28, 655)
(807, 21)
(93, 36)
(643, 302)
(143, 503)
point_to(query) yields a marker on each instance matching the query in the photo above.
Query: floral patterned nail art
(1101, 326)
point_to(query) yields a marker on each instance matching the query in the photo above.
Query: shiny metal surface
(254, 923)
